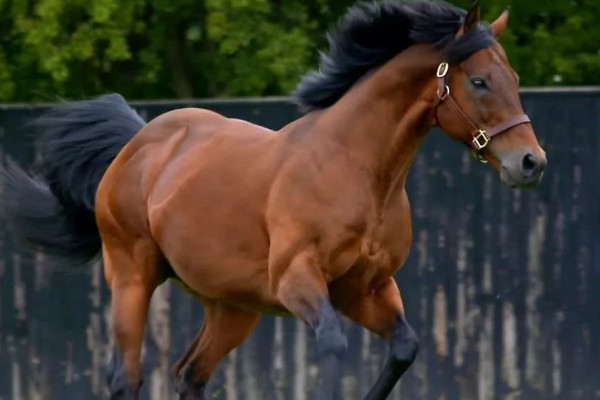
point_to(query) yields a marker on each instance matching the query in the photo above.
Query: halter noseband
(481, 137)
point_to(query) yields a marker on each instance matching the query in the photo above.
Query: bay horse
(311, 221)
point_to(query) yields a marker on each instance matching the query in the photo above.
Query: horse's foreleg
(223, 329)
(133, 277)
(303, 291)
(382, 312)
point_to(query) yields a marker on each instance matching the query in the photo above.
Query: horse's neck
(382, 121)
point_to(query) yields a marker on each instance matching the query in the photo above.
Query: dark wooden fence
(502, 286)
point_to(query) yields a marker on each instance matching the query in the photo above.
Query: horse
(310, 221)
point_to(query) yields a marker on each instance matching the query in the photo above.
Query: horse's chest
(383, 254)
(387, 244)
(370, 265)
(374, 258)
(381, 248)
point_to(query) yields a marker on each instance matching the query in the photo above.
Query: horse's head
(480, 105)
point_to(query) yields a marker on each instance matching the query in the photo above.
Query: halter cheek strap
(481, 137)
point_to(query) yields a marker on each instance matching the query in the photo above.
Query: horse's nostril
(529, 162)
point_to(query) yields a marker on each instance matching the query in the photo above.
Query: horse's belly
(232, 279)
(216, 247)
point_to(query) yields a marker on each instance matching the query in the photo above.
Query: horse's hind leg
(133, 272)
(223, 329)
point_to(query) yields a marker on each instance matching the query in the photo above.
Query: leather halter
(481, 137)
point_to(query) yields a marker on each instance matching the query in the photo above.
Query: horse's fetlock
(330, 338)
(118, 382)
(405, 343)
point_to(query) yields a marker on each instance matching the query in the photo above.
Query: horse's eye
(478, 83)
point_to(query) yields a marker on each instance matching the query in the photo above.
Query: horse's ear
(472, 18)
(500, 24)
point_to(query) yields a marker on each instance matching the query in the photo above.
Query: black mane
(371, 34)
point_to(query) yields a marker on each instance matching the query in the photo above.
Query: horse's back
(186, 138)
(201, 148)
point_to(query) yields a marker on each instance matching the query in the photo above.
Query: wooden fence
(502, 286)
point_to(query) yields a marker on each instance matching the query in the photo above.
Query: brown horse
(311, 220)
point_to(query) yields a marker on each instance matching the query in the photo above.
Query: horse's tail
(53, 209)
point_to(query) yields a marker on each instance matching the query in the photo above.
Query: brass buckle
(481, 140)
(442, 70)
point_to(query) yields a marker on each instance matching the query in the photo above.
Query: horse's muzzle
(523, 170)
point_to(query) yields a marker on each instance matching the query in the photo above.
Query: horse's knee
(331, 339)
(405, 343)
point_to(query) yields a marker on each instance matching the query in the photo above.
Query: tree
(210, 48)
(158, 48)
(550, 43)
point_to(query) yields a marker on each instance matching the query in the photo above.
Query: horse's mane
(371, 34)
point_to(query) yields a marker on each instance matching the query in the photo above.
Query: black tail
(54, 209)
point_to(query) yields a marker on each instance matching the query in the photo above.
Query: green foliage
(210, 48)
(550, 42)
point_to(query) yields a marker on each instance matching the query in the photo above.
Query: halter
(481, 137)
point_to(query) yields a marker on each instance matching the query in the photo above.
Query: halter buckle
(481, 140)
(442, 70)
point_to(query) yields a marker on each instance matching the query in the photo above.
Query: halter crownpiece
(481, 137)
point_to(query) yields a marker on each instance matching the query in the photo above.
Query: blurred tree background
(222, 48)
